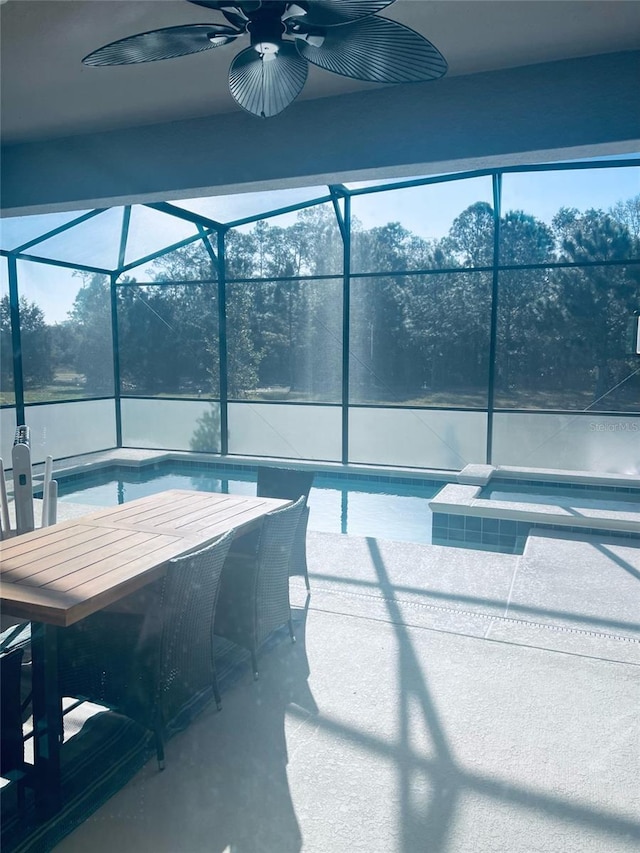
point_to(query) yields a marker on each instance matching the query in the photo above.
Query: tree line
(562, 336)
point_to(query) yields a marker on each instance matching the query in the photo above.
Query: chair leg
(216, 692)
(159, 748)
(254, 664)
(291, 634)
(20, 796)
(306, 581)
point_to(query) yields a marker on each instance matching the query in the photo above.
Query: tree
(591, 236)
(470, 239)
(189, 263)
(525, 239)
(169, 331)
(6, 347)
(282, 333)
(627, 213)
(37, 365)
(206, 436)
(321, 244)
(389, 247)
(64, 346)
(596, 304)
(524, 297)
(240, 254)
(87, 334)
(165, 338)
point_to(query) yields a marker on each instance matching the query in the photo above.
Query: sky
(427, 211)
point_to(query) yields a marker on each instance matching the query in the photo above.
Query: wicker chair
(157, 665)
(254, 590)
(291, 484)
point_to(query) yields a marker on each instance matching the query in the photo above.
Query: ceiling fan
(343, 36)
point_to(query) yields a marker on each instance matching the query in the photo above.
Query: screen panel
(168, 340)
(65, 330)
(285, 340)
(434, 226)
(420, 340)
(564, 339)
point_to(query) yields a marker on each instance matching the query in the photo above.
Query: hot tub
(498, 506)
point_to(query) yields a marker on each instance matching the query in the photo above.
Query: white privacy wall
(287, 431)
(171, 424)
(417, 437)
(585, 442)
(69, 429)
(7, 432)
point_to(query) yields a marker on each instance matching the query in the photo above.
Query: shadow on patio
(423, 734)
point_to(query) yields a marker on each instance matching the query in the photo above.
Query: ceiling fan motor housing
(266, 28)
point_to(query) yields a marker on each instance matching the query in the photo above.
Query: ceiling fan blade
(265, 87)
(329, 13)
(377, 50)
(236, 18)
(161, 44)
(224, 5)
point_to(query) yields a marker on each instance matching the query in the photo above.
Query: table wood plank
(239, 516)
(90, 562)
(169, 516)
(181, 508)
(28, 543)
(53, 557)
(131, 561)
(195, 517)
(161, 505)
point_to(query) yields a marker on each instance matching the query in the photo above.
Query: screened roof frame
(337, 193)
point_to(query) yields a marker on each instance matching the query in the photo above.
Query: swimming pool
(361, 505)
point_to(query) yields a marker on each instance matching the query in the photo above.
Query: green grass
(66, 387)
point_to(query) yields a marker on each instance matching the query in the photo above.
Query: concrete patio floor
(440, 699)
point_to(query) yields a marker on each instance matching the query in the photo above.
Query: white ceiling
(48, 93)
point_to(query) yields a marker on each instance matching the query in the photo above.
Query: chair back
(188, 606)
(284, 483)
(291, 484)
(11, 740)
(275, 549)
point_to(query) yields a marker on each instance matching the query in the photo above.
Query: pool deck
(440, 699)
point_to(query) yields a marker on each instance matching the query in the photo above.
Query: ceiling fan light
(267, 49)
(268, 53)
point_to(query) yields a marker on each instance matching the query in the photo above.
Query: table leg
(47, 718)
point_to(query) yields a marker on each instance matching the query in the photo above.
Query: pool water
(382, 507)
(563, 495)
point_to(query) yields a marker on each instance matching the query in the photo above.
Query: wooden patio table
(58, 575)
